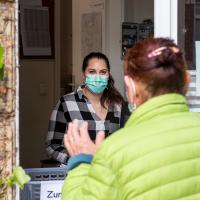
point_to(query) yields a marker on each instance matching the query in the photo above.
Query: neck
(91, 96)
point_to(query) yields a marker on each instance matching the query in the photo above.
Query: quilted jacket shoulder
(156, 156)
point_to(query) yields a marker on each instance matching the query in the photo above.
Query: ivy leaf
(1, 63)
(18, 177)
(1, 57)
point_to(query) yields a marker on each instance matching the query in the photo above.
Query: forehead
(96, 63)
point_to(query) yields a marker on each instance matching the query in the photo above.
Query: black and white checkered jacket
(76, 106)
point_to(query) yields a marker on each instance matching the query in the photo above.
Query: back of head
(159, 64)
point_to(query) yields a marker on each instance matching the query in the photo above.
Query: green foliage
(3, 188)
(1, 63)
(18, 177)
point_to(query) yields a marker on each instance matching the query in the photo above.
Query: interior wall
(80, 7)
(66, 46)
(138, 10)
(36, 101)
(114, 19)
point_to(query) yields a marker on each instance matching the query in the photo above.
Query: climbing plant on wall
(18, 177)
(8, 56)
(1, 63)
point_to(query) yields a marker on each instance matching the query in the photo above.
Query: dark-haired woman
(97, 101)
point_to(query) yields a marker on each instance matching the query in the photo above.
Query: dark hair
(159, 64)
(110, 94)
(97, 55)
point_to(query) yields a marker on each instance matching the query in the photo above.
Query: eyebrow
(100, 69)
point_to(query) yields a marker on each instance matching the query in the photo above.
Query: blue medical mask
(130, 106)
(96, 83)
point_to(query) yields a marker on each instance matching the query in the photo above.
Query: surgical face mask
(96, 83)
(130, 106)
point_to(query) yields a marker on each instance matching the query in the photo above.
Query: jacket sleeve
(56, 130)
(90, 182)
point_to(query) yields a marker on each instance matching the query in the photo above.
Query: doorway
(42, 81)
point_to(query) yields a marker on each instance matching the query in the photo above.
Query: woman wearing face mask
(156, 155)
(96, 101)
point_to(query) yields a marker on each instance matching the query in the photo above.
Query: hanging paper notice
(35, 31)
(51, 190)
(91, 23)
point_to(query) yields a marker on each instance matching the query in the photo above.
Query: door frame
(166, 18)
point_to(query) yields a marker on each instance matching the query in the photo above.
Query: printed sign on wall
(51, 190)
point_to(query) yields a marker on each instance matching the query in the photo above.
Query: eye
(91, 71)
(103, 72)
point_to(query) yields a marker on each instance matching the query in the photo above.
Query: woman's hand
(77, 140)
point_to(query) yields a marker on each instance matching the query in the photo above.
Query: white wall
(79, 7)
(138, 10)
(114, 18)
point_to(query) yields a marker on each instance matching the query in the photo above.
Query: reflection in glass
(189, 41)
(189, 28)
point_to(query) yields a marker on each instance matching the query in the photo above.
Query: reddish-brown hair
(159, 64)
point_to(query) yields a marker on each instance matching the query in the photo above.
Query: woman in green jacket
(156, 156)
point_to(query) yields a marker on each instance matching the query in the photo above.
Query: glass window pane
(189, 40)
(189, 28)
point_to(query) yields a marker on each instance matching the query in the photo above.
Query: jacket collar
(160, 105)
(79, 91)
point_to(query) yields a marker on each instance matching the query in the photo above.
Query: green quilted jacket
(156, 156)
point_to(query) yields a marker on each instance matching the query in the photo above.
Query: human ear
(130, 88)
(83, 76)
(126, 81)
